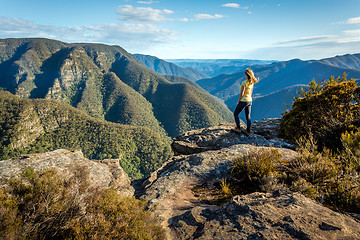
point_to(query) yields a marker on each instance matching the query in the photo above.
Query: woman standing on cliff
(245, 100)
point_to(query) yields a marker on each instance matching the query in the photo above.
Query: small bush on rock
(225, 187)
(332, 178)
(351, 141)
(315, 167)
(110, 216)
(256, 167)
(256, 164)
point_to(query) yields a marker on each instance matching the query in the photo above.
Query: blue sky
(253, 29)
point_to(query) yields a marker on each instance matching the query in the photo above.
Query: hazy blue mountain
(279, 76)
(303, 73)
(346, 61)
(166, 68)
(214, 67)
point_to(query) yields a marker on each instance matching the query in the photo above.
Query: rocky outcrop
(281, 215)
(203, 161)
(268, 127)
(218, 137)
(105, 173)
(169, 190)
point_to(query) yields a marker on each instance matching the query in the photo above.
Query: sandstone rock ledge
(203, 157)
(281, 215)
(105, 173)
(218, 137)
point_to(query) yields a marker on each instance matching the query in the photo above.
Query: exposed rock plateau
(203, 159)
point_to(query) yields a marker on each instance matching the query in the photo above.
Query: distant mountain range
(107, 83)
(111, 84)
(215, 67)
(167, 68)
(279, 82)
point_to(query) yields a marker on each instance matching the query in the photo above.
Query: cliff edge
(183, 192)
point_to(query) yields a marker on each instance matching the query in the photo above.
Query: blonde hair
(250, 76)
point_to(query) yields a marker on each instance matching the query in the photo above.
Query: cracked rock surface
(204, 157)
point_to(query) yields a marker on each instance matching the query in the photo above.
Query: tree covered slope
(40, 125)
(106, 82)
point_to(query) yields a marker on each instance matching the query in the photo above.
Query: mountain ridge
(215, 67)
(78, 74)
(278, 76)
(167, 68)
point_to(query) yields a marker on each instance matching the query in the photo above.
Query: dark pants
(239, 107)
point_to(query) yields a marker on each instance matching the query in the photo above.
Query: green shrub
(306, 188)
(44, 205)
(225, 187)
(112, 217)
(344, 193)
(314, 167)
(329, 177)
(325, 111)
(351, 141)
(256, 164)
(9, 221)
(256, 171)
(325, 122)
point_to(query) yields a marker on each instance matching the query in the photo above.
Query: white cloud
(303, 40)
(352, 32)
(349, 40)
(310, 51)
(353, 20)
(128, 35)
(347, 36)
(202, 16)
(142, 14)
(147, 2)
(231, 5)
(313, 47)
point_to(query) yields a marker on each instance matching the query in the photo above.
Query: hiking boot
(245, 132)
